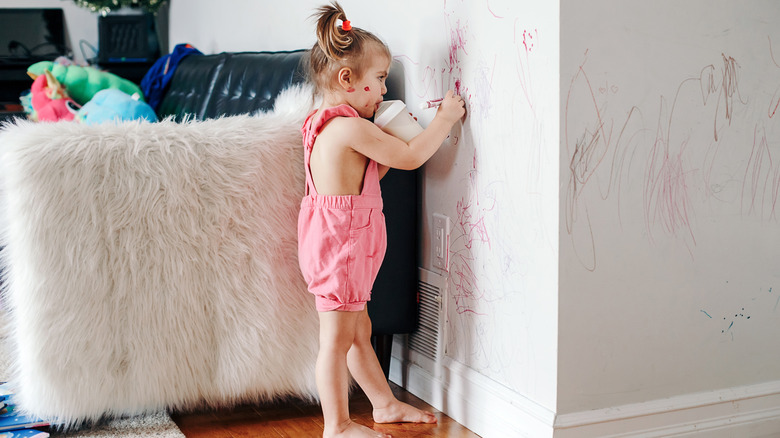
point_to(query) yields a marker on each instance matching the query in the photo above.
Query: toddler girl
(341, 228)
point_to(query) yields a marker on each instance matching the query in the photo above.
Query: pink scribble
(725, 88)
(491, 10)
(666, 198)
(761, 183)
(431, 82)
(603, 145)
(666, 195)
(436, 81)
(671, 168)
(457, 46)
(774, 102)
(528, 39)
(729, 90)
(523, 60)
(469, 229)
(666, 191)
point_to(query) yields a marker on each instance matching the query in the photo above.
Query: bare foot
(354, 430)
(400, 412)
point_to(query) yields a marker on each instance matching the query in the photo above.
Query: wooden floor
(300, 420)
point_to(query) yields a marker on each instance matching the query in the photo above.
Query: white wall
(80, 24)
(669, 265)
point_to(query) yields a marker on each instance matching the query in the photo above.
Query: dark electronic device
(127, 38)
(28, 35)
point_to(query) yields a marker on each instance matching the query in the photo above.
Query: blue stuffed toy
(114, 105)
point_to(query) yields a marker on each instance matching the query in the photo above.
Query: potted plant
(106, 6)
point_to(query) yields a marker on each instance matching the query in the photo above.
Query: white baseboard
(491, 410)
(473, 400)
(751, 411)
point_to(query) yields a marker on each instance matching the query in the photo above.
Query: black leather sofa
(225, 84)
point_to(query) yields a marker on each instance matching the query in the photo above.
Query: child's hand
(452, 107)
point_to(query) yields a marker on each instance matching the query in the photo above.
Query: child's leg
(337, 334)
(365, 368)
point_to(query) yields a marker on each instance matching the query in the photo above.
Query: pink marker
(431, 103)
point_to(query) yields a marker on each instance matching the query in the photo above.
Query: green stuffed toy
(84, 82)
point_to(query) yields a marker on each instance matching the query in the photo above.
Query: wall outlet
(440, 242)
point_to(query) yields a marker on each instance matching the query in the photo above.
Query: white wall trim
(482, 405)
(491, 410)
(752, 410)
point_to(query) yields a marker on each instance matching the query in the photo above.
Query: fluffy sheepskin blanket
(152, 266)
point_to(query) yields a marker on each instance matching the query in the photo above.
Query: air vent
(425, 340)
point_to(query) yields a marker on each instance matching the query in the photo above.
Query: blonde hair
(337, 48)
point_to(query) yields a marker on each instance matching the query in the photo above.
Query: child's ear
(346, 79)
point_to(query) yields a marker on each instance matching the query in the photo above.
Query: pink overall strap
(309, 136)
(371, 179)
(310, 131)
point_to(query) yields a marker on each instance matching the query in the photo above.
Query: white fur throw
(153, 266)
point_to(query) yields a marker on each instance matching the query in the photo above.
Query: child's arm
(382, 169)
(367, 139)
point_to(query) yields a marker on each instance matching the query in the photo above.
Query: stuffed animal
(83, 82)
(50, 102)
(114, 105)
(25, 98)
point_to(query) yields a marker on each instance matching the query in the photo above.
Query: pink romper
(341, 239)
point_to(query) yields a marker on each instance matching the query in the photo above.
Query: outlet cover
(440, 242)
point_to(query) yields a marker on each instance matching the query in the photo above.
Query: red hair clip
(346, 26)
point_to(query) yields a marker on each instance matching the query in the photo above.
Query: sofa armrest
(228, 84)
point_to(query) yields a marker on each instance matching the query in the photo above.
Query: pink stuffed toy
(50, 101)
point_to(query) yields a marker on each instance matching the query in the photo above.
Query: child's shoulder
(347, 126)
